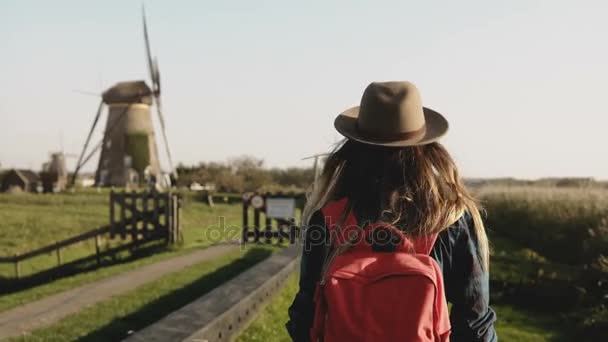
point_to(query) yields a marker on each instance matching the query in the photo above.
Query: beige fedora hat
(391, 114)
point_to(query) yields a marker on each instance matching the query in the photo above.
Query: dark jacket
(456, 252)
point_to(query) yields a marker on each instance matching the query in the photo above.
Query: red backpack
(370, 295)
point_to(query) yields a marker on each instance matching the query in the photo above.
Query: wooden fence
(144, 214)
(142, 217)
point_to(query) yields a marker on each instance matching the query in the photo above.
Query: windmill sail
(155, 78)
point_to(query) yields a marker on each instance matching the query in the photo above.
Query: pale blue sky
(523, 83)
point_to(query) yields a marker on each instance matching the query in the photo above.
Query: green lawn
(114, 319)
(29, 221)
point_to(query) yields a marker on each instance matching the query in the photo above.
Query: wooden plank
(145, 219)
(173, 218)
(121, 203)
(179, 219)
(157, 209)
(76, 239)
(256, 225)
(280, 229)
(112, 215)
(245, 222)
(7, 260)
(51, 272)
(245, 214)
(134, 215)
(167, 212)
(268, 230)
(221, 314)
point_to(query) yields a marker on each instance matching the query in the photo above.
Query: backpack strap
(337, 236)
(424, 244)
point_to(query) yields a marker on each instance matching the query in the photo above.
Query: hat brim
(436, 127)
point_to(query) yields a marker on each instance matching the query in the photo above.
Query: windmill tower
(129, 147)
(54, 174)
(129, 154)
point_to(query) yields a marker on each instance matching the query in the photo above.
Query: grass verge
(114, 319)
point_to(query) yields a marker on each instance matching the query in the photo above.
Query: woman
(392, 170)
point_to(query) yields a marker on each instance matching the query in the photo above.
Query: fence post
(122, 202)
(59, 259)
(256, 225)
(175, 218)
(145, 214)
(134, 216)
(97, 248)
(245, 221)
(17, 268)
(168, 216)
(280, 228)
(112, 216)
(268, 229)
(179, 218)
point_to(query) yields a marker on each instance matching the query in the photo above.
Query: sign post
(279, 208)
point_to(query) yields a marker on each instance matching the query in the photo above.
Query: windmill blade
(152, 66)
(79, 164)
(156, 80)
(110, 128)
(159, 110)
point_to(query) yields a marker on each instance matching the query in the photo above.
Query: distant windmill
(128, 147)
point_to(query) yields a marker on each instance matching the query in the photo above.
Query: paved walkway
(44, 312)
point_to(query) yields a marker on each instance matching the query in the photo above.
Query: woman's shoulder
(464, 227)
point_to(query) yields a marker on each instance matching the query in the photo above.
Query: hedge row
(567, 225)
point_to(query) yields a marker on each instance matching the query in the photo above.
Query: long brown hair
(415, 188)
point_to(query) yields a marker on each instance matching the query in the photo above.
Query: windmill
(128, 148)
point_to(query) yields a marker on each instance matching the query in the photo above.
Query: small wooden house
(23, 180)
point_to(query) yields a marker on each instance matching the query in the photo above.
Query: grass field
(529, 229)
(32, 220)
(29, 221)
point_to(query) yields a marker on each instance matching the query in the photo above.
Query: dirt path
(34, 315)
